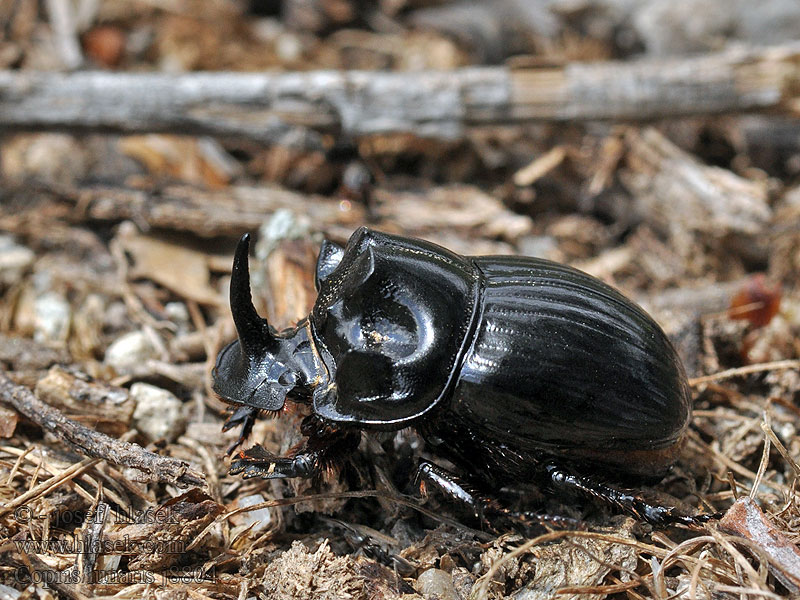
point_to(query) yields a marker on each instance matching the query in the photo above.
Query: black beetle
(515, 369)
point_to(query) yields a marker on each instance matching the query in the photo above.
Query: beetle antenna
(253, 330)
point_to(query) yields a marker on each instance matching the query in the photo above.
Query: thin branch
(294, 108)
(777, 365)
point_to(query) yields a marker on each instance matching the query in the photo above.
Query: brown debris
(110, 407)
(95, 444)
(8, 422)
(756, 302)
(677, 192)
(172, 265)
(165, 532)
(580, 132)
(23, 354)
(299, 574)
(745, 519)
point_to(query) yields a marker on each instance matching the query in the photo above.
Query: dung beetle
(517, 370)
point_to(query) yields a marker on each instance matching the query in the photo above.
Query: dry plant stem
(481, 588)
(275, 107)
(34, 563)
(62, 22)
(206, 213)
(23, 455)
(759, 535)
(97, 445)
(209, 462)
(49, 484)
(762, 468)
(777, 365)
(667, 559)
(734, 466)
(780, 447)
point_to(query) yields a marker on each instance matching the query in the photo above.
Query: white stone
(52, 318)
(158, 414)
(259, 518)
(9, 593)
(436, 583)
(129, 351)
(14, 260)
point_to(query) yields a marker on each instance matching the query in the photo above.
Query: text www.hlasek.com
(122, 545)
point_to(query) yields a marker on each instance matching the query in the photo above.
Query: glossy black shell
(528, 357)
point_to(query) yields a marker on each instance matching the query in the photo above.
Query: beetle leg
(322, 449)
(454, 487)
(640, 508)
(259, 462)
(244, 416)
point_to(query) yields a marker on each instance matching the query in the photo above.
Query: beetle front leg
(561, 479)
(324, 447)
(259, 462)
(244, 416)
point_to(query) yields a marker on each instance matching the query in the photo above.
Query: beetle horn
(254, 332)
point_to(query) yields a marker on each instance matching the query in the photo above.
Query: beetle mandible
(515, 369)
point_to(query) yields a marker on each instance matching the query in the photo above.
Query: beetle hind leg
(562, 480)
(492, 514)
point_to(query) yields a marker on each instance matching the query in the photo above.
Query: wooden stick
(293, 108)
(95, 444)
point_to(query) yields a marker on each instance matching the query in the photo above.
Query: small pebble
(14, 260)
(130, 351)
(158, 414)
(52, 318)
(9, 593)
(437, 584)
(260, 518)
(177, 313)
(538, 246)
(288, 46)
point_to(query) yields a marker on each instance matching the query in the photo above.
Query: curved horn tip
(244, 242)
(241, 256)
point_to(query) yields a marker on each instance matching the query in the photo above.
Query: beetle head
(252, 370)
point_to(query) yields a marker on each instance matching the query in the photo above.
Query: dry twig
(278, 107)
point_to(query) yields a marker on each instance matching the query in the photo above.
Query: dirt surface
(116, 243)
